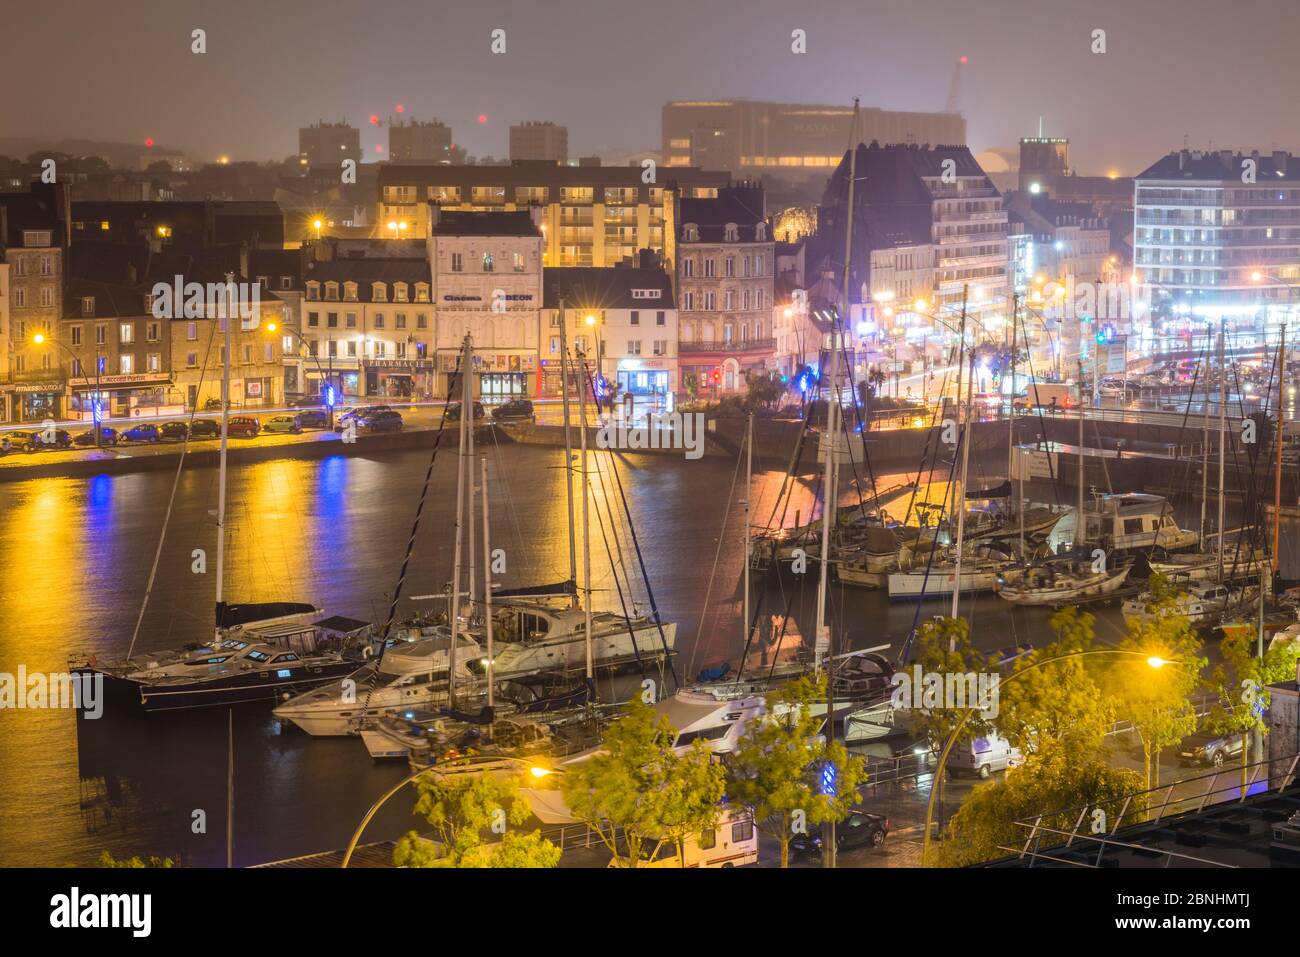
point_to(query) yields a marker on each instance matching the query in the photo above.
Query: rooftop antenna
(1040, 127)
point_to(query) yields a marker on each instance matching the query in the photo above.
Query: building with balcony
(539, 141)
(329, 144)
(486, 269)
(726, 288)
(1207, 223)
(750, 138)
(624, 320)
(590, 215)
(416, 141)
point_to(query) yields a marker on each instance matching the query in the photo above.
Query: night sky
(1221, 74)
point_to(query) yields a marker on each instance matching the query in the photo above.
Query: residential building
(487, 283)
(416, 141)
(624, 320)
(591, 215)
(750, 138)
(725, 288)
(186, 225)
(1219, 232)
(539, 141)
(281, 272)
(33, 247)
(328, 144)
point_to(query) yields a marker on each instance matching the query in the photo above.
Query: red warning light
(149, 142)
(482, 117)
(378, 148)
(963, 61)
(374, 119)
(400, 108)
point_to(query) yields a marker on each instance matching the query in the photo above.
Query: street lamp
(1153, 661)
(40, 338)
(328, 377)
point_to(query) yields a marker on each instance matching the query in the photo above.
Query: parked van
(983, 756)
(731, 843)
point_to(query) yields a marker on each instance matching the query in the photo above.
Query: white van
(983, 756)
(733, 842)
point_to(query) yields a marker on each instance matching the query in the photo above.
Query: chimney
(1279, 160)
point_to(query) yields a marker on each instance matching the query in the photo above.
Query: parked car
(23, 440)
(516, 410)
(385, 420)
(143, 432)
(453, 412)
(859, 829)
(205, 428)
(175, 431)
(1209, 749)
(353, 413)
(107, 436)
(314, 418)
(282, 423)
(983, 756)
(243, 427)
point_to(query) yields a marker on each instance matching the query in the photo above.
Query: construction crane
(954, 86)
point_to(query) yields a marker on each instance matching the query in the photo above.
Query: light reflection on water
(75, 556)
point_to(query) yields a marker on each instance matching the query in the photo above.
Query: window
(152, 331)
(660, 318)
(399, 292)
(399, 349)
(350, 320)
(688, 268)
(758, 264)
(661, 347)
(20, 296)
(742, 831)
(248, 355)
(332, 320)
(87, 305)
(517, 261)
(729, 299)
(269, 352)
(634, 347)
(47, 267)
(76, 368)
(732, 232)
(635, 317)
(710, 301)
(421, 321)
(313, 320)
(20, 266)
(555, 345)
(153, 362)
(313, 290)
(688, 301)
(75, 332)
(47, 297)
(332, 291)
(333, 349)
(399, 321)
(352, 349)
(379, 320)
(349, 292)
(379, 292)
(421, 292)
(457, 265)
(729, 267)
(191, 331)
(125, 363)
(101, 335)
(709, 265)
(708, 839)
(487, 261)
(380, 346)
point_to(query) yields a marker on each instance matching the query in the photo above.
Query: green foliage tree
(108, 860)
(1049, 784)
(639, 788)
(463, 810)
(762, 389)
(1057, 706)
(1241, 694)
(778, 767)
(943, 647)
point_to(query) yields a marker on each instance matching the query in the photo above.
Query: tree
(1056, 706)
(781, 763)
(943, 647)
(1158, 700)
(1051, 785)
(1241, 695)
(462, 809)
(762, 389)
(108, 860)
(641, 790)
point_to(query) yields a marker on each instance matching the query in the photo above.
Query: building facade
(328, 144)
(417, 141)
(725, 289)
(539, 141)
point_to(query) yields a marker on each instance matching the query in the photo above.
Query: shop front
(34, 401)
(409, 379)
(124, 396)
(498, 376)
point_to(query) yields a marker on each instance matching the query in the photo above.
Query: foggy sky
(1217, 72)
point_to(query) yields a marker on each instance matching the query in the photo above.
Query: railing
(735, 346)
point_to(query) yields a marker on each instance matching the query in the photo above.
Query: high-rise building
(788, 140)
(328, 144)
(419, 141)
(1042, 157)
(539, 141)
(591, 215)
(1218, 231)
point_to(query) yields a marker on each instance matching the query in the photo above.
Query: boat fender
(368, 651)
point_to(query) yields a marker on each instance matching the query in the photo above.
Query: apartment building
(590, 215)
(539, 141)
(328, 144)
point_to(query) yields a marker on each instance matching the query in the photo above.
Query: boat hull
(251, 688)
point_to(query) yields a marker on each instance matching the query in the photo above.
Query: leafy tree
(1241, 693)
(778, 768)
(108, 860)
(462, 809)
(762, 389)
(1056, 706)
(943, 647)
(641, 789)
(1158, 700)
(1052, 785)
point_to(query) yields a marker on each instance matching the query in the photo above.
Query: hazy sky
(1217, 72)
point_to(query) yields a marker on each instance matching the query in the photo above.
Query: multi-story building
(787, 140)
(33, 245)
(281, 271)
(539, 141)
(487, 283)
(725, 288)
(416, 141)
(624, 321)
(591, 215)
(187, 225)
(328, 144)
(935, 226)
(1219, 232)
(257, 367)
(368, 326)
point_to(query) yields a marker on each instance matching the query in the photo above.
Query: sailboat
(259, 652)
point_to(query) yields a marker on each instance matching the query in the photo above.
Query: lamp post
(329, 377)
(40, 339)
(1155, 661)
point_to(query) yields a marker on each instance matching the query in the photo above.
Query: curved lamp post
(1154, 661)
(40, 338)
(272, 327)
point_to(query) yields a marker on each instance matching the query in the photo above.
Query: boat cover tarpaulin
(341, 624)
(231, 616)
(1000, 491)
(566, 587)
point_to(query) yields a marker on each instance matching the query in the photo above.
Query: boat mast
(453, 605)
(467, 415)
(1223, 435)
(1205, 444)
(749, 486)
(586, 523)
(225, 312)
(487, 589)
(1277, 442)
(568, 440)
(1080, 525)
(960, 497)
